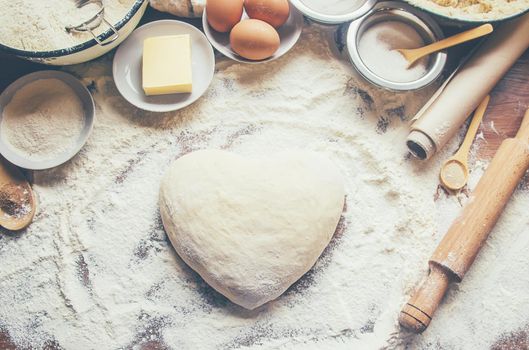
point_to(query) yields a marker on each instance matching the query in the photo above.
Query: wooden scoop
(17, 201)
(412, 55)
(461, 244)
(454, 172)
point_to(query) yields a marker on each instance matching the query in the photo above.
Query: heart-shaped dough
(251, 227)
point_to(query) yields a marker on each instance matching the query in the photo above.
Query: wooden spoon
(454, 172)
(17, 201)
(412, 55)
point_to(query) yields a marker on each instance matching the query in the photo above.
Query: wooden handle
(412, 55)
(461, 244)
(460, 38)
(416, 315)
(464, 150)
(523, 132)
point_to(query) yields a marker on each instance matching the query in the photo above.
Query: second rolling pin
(459, 247)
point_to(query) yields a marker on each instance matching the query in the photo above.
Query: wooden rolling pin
(459, 247)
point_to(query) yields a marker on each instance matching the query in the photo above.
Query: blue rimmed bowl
(90, 49)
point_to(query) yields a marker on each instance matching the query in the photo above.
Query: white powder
(43, 120)
(377, 49)
(480, 10)
(95, 270)
(40, 25)
(333, 7)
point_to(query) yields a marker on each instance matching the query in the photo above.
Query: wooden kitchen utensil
(454, 172)
(459, 247)
(412, 55)
(17, 201)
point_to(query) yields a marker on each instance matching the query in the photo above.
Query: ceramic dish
(90, 49)
(289, 34)
(461, 21)
(88, 106)
(397, 11)
(127, 66)
(334, 12)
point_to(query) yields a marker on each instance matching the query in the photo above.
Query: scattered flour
(95, 269)
(40, 25)
(43, 120)
(377, 48)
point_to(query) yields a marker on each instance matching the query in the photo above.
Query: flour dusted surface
(40, 25)
(95, 269)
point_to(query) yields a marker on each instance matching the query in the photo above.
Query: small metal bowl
(397, 11)
(89, 112)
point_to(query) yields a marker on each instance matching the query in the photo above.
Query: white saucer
(289, 34)
(89, 111)
(127, 69)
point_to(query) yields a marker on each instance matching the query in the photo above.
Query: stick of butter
(167, 65)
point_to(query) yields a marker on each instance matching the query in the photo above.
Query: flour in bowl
(40, 25)
(474, 10)
(43, 120)
(378, 50)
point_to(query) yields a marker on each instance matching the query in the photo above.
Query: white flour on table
(95, 269)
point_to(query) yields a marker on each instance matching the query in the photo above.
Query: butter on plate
(167, 65)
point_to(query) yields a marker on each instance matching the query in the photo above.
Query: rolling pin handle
(416, 315)
(523, 132)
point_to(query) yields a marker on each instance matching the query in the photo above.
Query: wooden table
(509, 100)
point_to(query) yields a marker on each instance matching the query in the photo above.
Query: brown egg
(254, 39)
(273, 12)
(223, 15)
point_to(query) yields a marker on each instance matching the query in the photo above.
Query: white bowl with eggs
(241, 29)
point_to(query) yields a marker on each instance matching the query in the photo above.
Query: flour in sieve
(95, 269)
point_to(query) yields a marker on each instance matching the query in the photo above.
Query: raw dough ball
(180, 8)
(251, 227)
